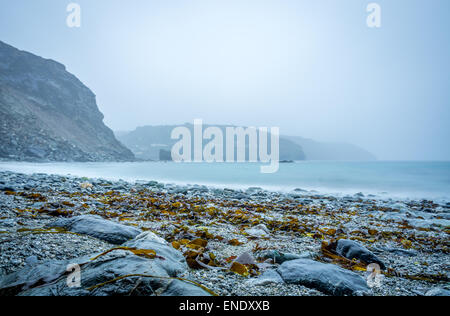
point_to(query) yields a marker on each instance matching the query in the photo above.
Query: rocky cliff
(47, 114)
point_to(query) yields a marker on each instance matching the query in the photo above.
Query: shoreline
(91, 170)
(410, 237)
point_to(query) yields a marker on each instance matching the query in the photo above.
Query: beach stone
(9, 188)
(22, 280)
(280, 258)
(352, 250)
(119, 273)
(327, 278)
(31, 260)
(438, 292)
(268, 277)
(246, 258)
(182, 288)
(258, 231)
(97, 227)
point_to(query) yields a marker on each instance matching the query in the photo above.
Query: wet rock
(327, 278)
(31, 260)
(438, 292)
(352, 250)
(182, 288)
(117, 273)
(268, 277)
(280, 258)
(9, 188)
(246, 258)
(258, 231)
(97, 227)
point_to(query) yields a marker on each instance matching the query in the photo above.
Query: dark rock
(268, 277)
(352, 250)
(438, 292)
(280, 258)
(31, 260)
(117, 273)
(97, 227)
(327, 278)
(182, 288)
(5, 188)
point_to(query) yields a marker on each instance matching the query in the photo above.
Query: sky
(313, 68)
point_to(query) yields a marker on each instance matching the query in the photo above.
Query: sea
(383, 179)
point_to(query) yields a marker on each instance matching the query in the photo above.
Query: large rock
(280, 258)
(119, 272)
(438, 292)
(327, 278)
(97, 227)
(268, 277)
(352, 250)
(47, 114)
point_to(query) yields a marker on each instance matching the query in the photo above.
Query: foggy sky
(312, 68)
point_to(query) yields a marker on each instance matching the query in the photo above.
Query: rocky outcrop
(119, 272)
(47, 114)
(352, 250)
(97, 227)
(327, 278)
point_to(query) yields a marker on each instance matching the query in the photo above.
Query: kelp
(146, 253)
(240, 269)
(53, 230)
(328, 252)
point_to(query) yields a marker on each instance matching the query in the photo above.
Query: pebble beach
(223, 242)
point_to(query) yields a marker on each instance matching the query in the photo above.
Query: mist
(312, 68)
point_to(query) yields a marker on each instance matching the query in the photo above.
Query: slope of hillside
(332, 151)
(47, 114)
(152, 142)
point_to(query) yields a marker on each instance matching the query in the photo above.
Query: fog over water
(313, 68)
(405, 180)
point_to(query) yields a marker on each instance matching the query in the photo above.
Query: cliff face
(47, 114)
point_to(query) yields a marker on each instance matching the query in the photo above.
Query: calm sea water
(389, 179)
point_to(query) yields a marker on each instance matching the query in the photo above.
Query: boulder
(327, 278)
(119, 272)
(352, 250)
(268, 277)
(280, 258)
(438, 292)
(97, 227)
